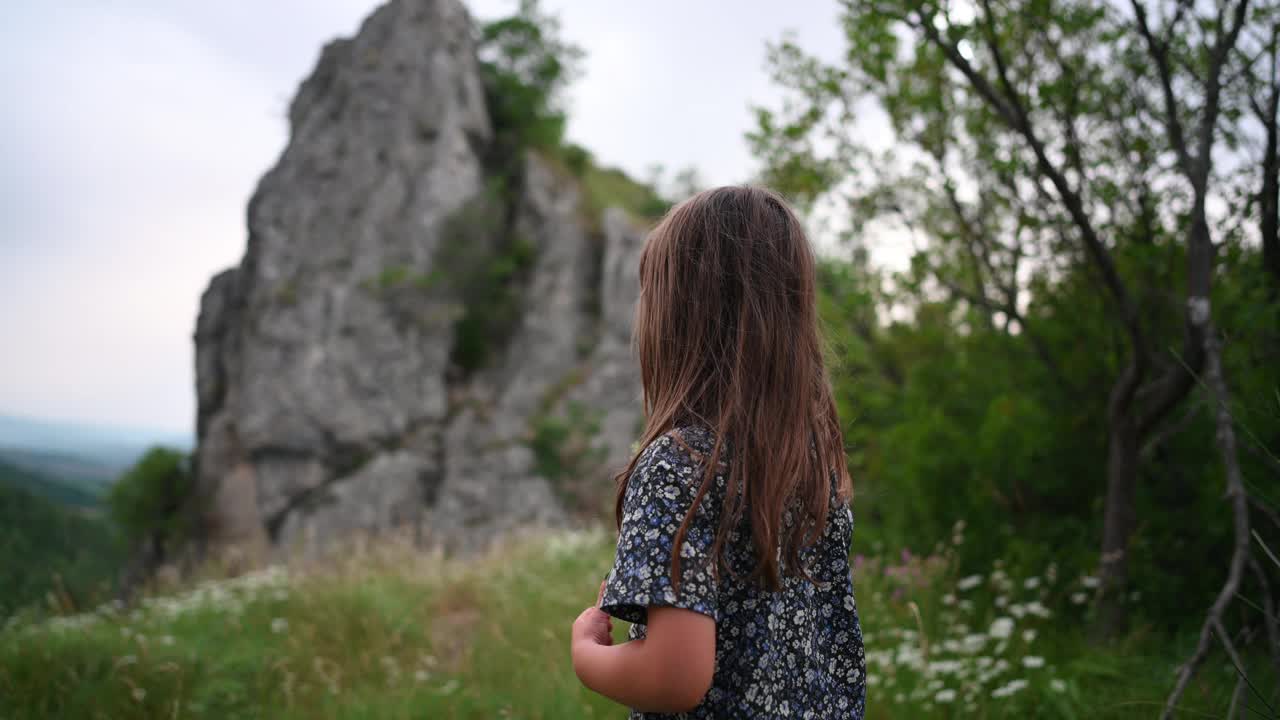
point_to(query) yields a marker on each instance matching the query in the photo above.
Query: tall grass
(394, 633)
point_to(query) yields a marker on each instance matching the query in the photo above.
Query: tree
(526, 66)
(1259, 60)
(149, 504)
(1039, 142)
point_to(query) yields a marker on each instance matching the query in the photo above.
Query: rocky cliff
(412, 340)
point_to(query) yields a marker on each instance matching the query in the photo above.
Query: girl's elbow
(681, 649)
(691, 697)
(687, 688)
(674, 703)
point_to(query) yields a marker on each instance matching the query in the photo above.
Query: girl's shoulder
(682, 452)
(691, 444)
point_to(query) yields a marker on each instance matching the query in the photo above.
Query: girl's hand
(594, 625)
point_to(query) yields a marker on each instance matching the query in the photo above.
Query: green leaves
(149, 499)
(974, 382)
(526, 67)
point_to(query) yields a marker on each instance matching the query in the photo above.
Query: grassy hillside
(393, 633)
(51, 555)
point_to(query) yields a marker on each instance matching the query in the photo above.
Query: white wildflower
(971, 644)
(948, 599)
(1079, 598)
(1012, 687)
(945, 696)
(1033, 661)
(1028, 636)
(1057, 685)
(945, 667)
(1089, 581)
(448, 687)
(1035, 608)
(139, 694)
(969, 583)
(1001, 628)
(279, 625)
(1031, 583)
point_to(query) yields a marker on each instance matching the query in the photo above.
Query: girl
(733, 520)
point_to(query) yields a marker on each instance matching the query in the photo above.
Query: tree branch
(1159, 52)
(1201, 316)
(1010, 110)
(1037, 341)
(1269, 613)
(1170, 430)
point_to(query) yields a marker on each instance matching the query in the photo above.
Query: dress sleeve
(659, 494)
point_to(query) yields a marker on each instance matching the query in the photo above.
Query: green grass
(606, 187)
(610, 187)
(394, 633)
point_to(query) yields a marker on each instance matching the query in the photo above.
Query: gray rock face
(612, 385)
(331, 400)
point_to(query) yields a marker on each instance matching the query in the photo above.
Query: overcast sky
(135, 131)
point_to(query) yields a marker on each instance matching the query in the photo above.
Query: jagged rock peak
(403, 322)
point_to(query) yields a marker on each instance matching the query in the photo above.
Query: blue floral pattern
(793, 653)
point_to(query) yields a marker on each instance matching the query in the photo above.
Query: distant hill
(50, 487)
(93, 476)
(84, 453)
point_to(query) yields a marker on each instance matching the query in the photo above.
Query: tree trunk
(1134, 415)
(1216, 383)
(1268, 198)
(1119, 521)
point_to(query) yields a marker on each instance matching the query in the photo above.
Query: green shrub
(148, 501)
(525, 66)
(565, 453)
(577, 159)
(395, 277)
(491, 306)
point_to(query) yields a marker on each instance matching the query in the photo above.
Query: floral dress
(793, 653)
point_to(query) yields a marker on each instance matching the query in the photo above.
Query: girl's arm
(668, 671)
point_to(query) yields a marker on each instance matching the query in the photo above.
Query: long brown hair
(727, 335)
